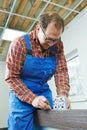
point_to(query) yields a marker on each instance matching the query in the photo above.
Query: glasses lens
(48, 40)
(51, 40)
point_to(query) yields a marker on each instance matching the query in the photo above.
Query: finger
(68, 104)
(44, 105)
(45, 100)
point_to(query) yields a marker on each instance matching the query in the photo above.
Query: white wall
(3, 97)
(75, 36)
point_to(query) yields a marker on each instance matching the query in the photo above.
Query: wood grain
(62, 119)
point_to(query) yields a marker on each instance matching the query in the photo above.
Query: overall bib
(35, 74)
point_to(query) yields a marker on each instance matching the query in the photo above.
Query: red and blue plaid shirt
(14, 64)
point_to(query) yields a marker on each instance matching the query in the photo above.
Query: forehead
(52, 30)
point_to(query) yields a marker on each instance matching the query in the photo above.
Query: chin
(45, 46)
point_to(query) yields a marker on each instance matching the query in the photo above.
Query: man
(31, 61)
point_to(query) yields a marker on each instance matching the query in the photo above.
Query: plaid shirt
(14, 64)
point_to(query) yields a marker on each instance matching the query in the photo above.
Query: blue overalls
(35, 74)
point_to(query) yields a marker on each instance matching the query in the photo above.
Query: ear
(37, 28)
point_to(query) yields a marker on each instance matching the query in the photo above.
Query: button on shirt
(14, 64)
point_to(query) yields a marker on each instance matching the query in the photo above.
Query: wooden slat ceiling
(22, 15)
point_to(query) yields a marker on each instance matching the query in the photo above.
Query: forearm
(20, 90)
(62, 83)
(14, 65)
(61, 75)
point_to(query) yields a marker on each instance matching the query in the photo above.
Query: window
(73, 64)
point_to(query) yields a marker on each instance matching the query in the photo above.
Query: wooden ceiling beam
(2, 46)
(4, 6)
(73, 14)
(31, 13)
(82, 5)
(51, 6)
(2, 18)
(67, 4)
(4, 50)
(18, 11)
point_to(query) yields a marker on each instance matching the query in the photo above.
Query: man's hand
(41, 102)
(68, 104)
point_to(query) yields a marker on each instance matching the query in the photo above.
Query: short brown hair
(47, 18)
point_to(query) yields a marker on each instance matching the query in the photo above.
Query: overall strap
(28, 46)
(52, 51)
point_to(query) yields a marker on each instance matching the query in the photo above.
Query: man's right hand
(41, 102)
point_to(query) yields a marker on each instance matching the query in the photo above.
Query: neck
(43, 50)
